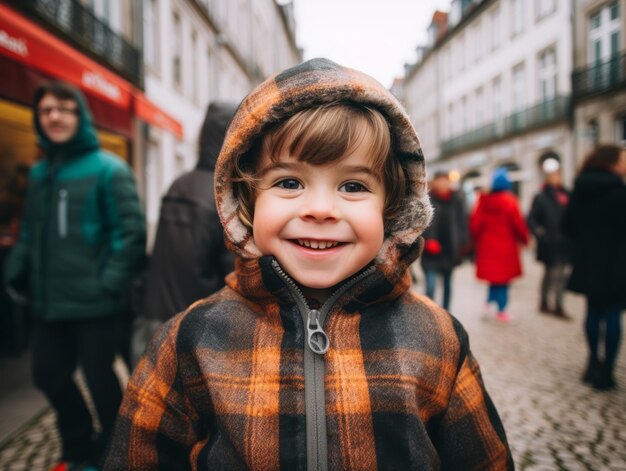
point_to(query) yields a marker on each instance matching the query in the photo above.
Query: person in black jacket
(553, 247)
(445, 238)
(596, 222)
(189, 260)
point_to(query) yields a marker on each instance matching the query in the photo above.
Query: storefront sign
(152, 114)
(26, 42)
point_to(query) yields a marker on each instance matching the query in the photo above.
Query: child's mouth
(317, 244)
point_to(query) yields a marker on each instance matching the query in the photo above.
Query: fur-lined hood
(310, 84)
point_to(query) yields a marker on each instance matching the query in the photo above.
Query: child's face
(322, 223)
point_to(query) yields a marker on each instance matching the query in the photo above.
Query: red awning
(152, 114)
(23, 41)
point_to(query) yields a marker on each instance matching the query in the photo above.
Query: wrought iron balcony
(599, 78)
(537, 116)
(79, 25)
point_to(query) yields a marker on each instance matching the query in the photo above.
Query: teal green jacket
(82, 236)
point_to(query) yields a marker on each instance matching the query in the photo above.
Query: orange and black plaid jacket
(222, 385)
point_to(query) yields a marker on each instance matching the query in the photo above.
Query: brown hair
(319, 136)
(603, 156)
(60, 90)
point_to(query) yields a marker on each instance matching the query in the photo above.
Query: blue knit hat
(500, 180)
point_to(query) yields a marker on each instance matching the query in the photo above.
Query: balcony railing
(599, 78)
(531, 118)
(79, 25)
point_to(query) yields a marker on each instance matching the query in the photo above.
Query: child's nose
(320, 206)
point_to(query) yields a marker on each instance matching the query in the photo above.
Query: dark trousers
(500, 295)
(431, 285)
(555, 277)
(58, 348)
(603, 323)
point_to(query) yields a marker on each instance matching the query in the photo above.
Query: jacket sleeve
(519, 225)
(127, 229)
(156, 427)
(535, 218)
(462, 220)
(476, 221)
(470, 435)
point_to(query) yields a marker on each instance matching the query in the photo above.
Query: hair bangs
(328, 133)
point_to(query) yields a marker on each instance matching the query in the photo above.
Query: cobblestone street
(532, 370)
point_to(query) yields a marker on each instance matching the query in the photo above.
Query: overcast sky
(375, 36)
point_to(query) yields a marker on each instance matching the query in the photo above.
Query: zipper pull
(317, 338)
(62, 213)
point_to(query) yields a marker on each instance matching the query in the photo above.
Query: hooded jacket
(544, 221)
(82, 234)
(595, 222)
(449, 229)
(190, 260)
(240, 381)
(497, 228)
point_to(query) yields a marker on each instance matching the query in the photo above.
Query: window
(496, 99)
(620, 131)
(447, 125)
(465, 112)
(544, 8)
(519, 88)
(517, 16)
(593, 131)
(102, 10)
(479, 39)
(180, 164)
(604, 34)
(208, 80)
(150, 33)
(152, 181)
(177, 49)
(194, 66)
(547, 74)
(470, 47)
(495, 29)
(479, 108)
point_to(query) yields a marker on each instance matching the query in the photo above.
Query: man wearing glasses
(81, 240)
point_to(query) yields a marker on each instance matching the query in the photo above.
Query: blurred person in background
(498, 228)
(552, 246)
(445, 238)
(82, 239)
(595, 220)
(189, 260)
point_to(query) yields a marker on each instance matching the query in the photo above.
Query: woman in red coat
(498, 228)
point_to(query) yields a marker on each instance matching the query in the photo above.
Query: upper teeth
(318, 244)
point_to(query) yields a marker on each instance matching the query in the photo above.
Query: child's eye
(352, 187)
(289, 184)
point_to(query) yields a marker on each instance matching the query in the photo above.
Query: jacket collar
(258, 280)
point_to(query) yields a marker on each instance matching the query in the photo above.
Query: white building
(599, 79)
(199, 51)
(494, 90)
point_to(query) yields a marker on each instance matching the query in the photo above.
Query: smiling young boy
(317, 355)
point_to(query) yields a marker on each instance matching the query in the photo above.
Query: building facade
(492, 88)
(197, 51)
(599, 78)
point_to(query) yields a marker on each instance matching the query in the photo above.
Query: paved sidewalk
(532, 370)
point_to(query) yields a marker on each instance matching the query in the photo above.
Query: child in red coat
(497, 227)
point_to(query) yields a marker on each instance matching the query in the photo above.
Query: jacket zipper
(318, 343)
(62, 213)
